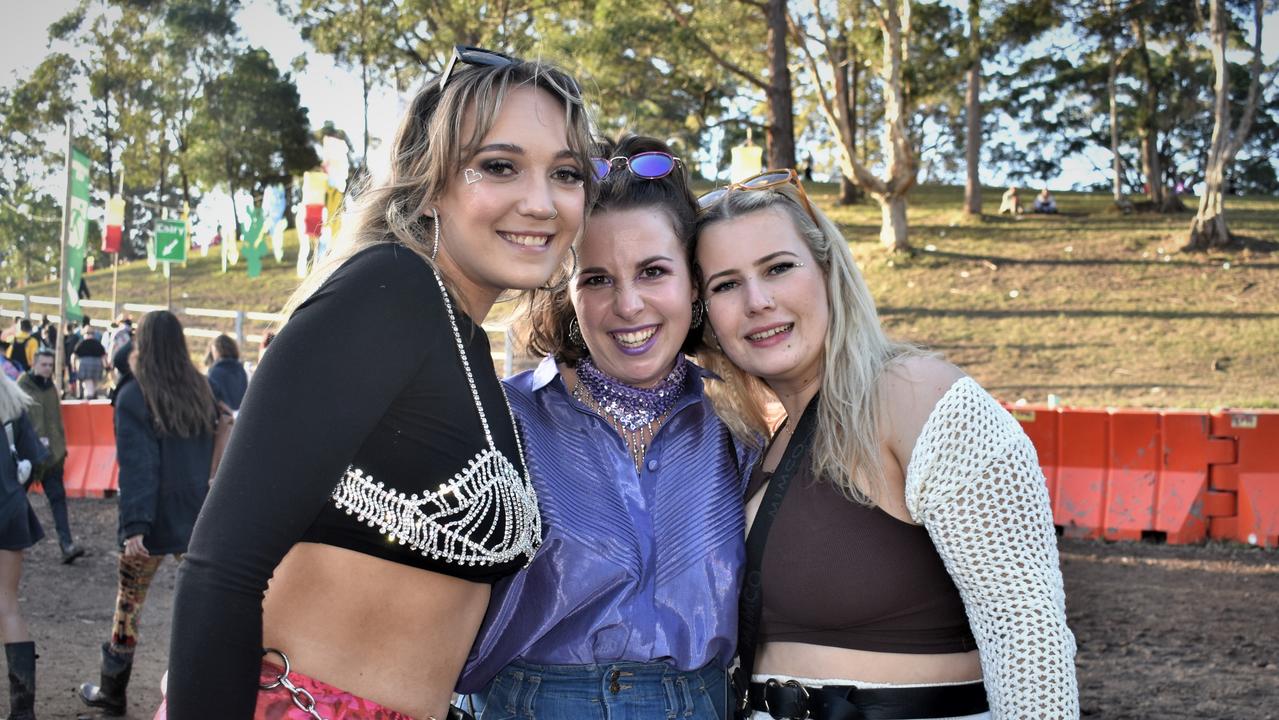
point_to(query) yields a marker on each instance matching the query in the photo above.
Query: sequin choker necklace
(634, 411)
(629, 406)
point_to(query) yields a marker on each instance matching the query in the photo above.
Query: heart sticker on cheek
(471, 176)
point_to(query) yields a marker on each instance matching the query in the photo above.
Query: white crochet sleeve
(974, 483)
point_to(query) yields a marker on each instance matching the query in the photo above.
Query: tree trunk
(972, 106)
(1116, 183)
(781, 114)
(892, 233)
(1148, 130)
(1209, 229)
(849, 193)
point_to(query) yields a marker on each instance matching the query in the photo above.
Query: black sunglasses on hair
(470, 55)
(474, 56)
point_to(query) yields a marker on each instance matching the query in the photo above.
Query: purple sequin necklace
(635, 412)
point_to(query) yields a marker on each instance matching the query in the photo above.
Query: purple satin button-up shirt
(635, 566)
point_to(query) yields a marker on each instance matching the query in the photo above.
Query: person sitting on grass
(1010, 203)
(1044, 203)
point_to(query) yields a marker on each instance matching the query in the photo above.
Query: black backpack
(18, 353)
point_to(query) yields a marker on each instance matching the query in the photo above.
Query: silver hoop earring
(435, 220)
(697, 315)
(567, 277)
(575, 333)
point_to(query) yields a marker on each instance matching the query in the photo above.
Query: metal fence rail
(248, 327)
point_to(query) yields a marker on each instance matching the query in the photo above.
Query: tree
(30, 236)
(712, 28)
(249, 128)
(1208, 229)
(901, 161)
(359, 34)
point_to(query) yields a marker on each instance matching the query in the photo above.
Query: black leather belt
(791, 701)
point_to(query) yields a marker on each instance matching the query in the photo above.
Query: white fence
(248, 327)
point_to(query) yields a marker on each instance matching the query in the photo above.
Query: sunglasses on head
(763, 181)
(471, 55)
(647, 165)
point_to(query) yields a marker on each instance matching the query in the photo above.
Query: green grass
(1095, 307)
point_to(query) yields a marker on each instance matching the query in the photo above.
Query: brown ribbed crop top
(840, 574)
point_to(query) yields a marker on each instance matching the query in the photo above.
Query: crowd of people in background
(166, 416)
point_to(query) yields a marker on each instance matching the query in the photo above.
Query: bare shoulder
(911, 387)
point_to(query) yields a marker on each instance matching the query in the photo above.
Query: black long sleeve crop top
(359, 429)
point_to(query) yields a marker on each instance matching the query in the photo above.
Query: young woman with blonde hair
(19, 530)
(381, 499)
(903, 562)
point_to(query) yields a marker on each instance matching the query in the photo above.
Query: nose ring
(554, 214)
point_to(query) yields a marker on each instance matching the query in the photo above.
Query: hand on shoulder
(911, 388)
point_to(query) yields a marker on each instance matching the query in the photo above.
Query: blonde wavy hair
(431, 147)
(846, 448)
(13, 401)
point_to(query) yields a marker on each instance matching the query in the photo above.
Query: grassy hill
(1095, 307)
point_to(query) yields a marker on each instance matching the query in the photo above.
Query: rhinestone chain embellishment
(441, 524)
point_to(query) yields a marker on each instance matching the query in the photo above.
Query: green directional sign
(170, 241)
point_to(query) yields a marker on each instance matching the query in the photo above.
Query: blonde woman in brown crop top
(911, 570)
(382, 494)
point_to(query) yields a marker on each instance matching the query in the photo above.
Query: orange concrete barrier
(1133, 474)
(1253, 478)
(1082, 453)
(90, 469)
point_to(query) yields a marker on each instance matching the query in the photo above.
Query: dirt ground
(1163, 631)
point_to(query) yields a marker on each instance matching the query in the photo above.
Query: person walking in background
(71, 338)
(227, 374)
(23, 346)
(46, 416)
(11, 371)
(19, 530)
(120, 335)
(90, 362)
(164, 425)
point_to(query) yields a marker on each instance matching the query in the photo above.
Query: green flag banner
(170, 241)
(255, 242)
(77, 232)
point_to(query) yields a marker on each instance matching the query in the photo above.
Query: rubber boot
(22, 680)
(110, 696)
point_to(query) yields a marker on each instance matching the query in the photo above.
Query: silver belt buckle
(772, 683)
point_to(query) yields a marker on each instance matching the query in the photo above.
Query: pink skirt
(330, 702)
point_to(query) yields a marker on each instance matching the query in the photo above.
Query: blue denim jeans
(616, 691)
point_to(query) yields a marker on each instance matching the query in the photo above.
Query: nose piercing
(554, 214)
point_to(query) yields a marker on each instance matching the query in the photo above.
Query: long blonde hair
(846, 448)
(13, 401)
(431, 147)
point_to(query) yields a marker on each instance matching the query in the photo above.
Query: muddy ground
(1163, 631)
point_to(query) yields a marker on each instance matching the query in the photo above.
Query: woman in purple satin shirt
(629, 610)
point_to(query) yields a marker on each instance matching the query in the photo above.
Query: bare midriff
(389, 633)
(821, 662)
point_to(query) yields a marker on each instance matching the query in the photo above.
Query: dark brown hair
(223, 347)
(552, 312)
(178, 396)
